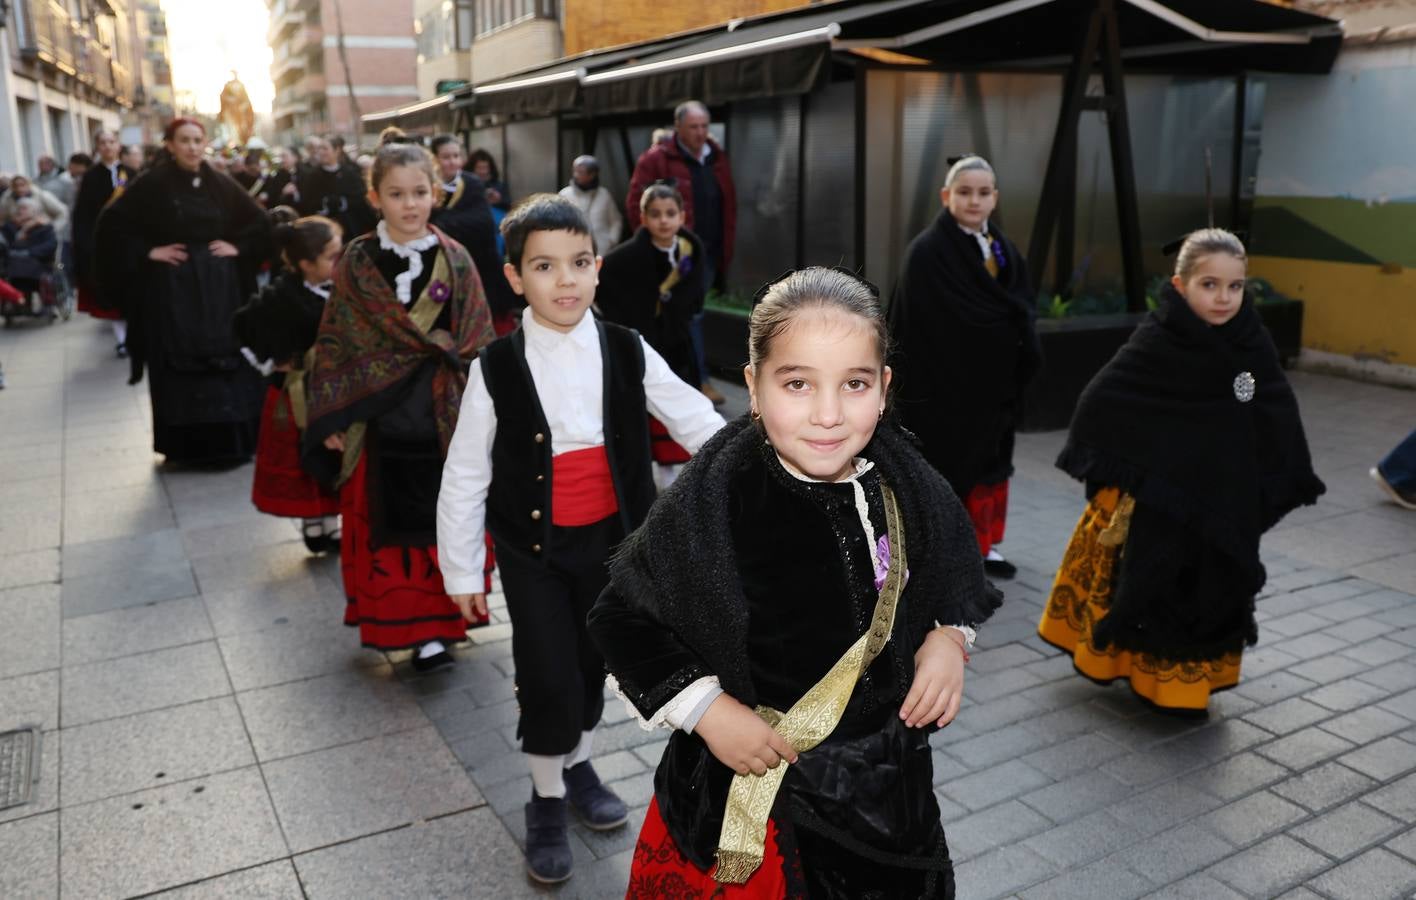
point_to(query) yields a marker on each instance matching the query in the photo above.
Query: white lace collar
(412, 252)
(321, 290)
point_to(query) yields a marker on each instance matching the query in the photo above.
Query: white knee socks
(120, 331)
(548, 772)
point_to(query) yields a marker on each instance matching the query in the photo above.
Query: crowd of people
(443, 384)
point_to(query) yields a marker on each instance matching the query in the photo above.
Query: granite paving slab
(469, 854)
(30, 849)
(272, 881)
(327, 711)
(168, 836)
(29, 640)
(135, 629)
(402, 778)
(133, 684)
(151, 749)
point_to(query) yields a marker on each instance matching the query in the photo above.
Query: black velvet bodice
(809, 580)
(391, 265)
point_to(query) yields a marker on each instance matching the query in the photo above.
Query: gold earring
(755, 414)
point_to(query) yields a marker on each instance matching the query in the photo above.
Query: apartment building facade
(67, 68)
(334, 60)
(154, 99)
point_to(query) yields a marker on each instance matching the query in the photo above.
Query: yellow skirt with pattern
(1081, 596)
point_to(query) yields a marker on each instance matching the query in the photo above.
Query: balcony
(54, 36)
(305, 38)
(280, 24)
(293, 64)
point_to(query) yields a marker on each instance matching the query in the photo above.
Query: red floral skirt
(89, 304)
(395, 594)
(661, 872)
(281, 486)
(987, 505)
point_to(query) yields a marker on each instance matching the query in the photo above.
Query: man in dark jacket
(704, 177)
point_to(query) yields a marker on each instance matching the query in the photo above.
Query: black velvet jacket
(747, 573)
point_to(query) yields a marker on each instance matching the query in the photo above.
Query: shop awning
(425, 113)
(1174, 35)
(785, 53)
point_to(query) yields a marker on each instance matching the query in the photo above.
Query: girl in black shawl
(773, 576)
(277, 329)
(962, 323)
(653, 283)
(181, 248)
(1191, 447)
(102, 183)
(462, 212)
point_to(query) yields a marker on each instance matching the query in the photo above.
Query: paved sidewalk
(210, 727)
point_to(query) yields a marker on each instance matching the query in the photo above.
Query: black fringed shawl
(1163, 421)
(678, 571)
(965, 347)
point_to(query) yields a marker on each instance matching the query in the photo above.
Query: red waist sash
(582, 489)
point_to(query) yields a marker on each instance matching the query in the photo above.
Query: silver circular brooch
(1244, 386)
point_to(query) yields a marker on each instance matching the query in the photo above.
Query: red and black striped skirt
(395, 594)
(281, 487)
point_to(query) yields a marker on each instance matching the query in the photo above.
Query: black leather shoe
(596, 805)
(432, 663)
(548, 856)
(999, 568)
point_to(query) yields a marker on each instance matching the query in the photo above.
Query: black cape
(280, 322)
(272, 193)
(95, 189)
(1164, 421)
(628, 294)
(469, 222)
(340, 195)
(965, 348)
(206, 400)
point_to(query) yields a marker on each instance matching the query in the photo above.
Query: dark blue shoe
(596, 805)
(548, 856)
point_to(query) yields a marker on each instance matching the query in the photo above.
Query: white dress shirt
(567, 371)
(985, 242)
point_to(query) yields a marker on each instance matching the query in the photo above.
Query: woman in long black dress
(181, 248)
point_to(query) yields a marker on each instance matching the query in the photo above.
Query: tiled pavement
(211, 729)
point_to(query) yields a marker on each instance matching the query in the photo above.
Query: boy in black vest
(552, 453)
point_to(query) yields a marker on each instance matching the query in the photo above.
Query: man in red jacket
(700, 168)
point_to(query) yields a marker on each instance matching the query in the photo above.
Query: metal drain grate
(19, 766)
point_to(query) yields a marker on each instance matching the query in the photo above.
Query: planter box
(725, 342)
(1073, 350)
(1284, 321)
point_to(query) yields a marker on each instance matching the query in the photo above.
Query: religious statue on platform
(238, 117)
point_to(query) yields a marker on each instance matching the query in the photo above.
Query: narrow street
(211, 728)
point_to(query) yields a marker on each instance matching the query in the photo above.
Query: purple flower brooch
(439, 291)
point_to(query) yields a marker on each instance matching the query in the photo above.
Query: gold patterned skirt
(1081, 597)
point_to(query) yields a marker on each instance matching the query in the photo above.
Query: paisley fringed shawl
(369, 344)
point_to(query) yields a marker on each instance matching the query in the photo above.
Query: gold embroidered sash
(449, 201)
(685, 251)
(810, 721)
(424, 314)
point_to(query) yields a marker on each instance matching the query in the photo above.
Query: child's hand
(938, 684)
(473, 606)
(335, 441)
(740, 740)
